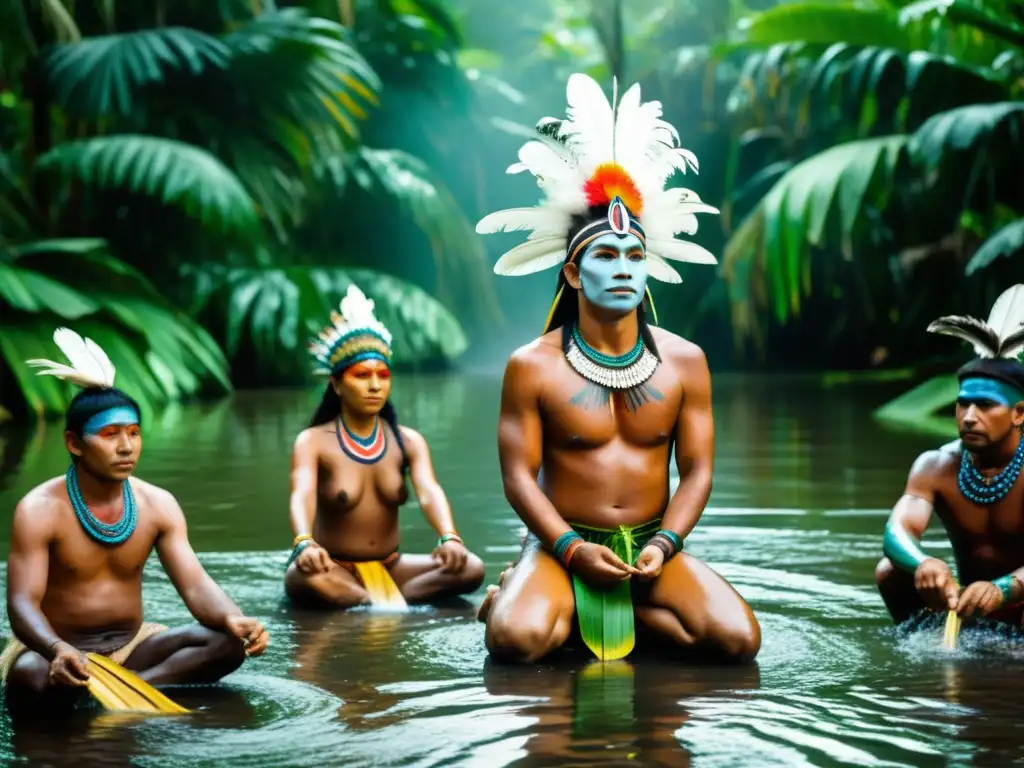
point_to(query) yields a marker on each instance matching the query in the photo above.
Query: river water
(803, 482)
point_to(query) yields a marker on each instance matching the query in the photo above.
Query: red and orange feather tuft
(610, 180)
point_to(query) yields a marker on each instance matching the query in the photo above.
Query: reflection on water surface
(802, 485)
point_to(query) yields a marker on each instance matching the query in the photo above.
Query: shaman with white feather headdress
(603, 170)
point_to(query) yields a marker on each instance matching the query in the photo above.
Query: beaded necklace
(105, 533)
(988, 490)
(626, 373)
(365, 450)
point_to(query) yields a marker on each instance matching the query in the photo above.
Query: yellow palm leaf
(382, 588)
(120, 689)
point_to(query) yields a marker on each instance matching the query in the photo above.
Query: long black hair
(89, 402)
(329, 409)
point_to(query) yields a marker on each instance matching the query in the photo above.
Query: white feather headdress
(1002, 336)
(600, 152)
(351, 335)
(90, 367)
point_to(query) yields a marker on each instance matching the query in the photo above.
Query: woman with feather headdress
(78, 547)
(602, 398)
(348, 483)
(972, 484)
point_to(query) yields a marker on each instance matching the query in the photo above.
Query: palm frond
(171, 171)
(101, 75)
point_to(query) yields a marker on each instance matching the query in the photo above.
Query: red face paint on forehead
(113, 430)
(369, 368)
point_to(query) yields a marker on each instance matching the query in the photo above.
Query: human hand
(452, 556)
(313, 559)
(68, 666)
(250, 631)
(650, 562)
(598, 566)
(979, 599)
(936, 585)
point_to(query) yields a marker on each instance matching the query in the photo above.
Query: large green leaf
(100, 75)
(822, 22)
(160, 354)
(820, 202)
(962, 155)
(266, 317)
(1008, 241)
(171, 171)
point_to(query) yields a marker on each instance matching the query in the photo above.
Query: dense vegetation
(194, 184)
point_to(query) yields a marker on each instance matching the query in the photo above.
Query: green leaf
(820, 202)
(1006, 242)
(100, 75)
(827, 23)
(171, 171)
(916, 409)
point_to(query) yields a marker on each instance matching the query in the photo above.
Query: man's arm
(429, 493)
(520, 446)
(911, 515)
(695, 446)
(205, 600)
(28, 567)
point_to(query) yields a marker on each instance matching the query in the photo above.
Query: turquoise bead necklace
(104, 533)
(982, 490)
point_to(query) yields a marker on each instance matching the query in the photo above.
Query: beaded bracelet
(570, 551)
(563, 543)
(672, 537)
(1005, 584)
(663, 544)
(446, 537)
(297, 550)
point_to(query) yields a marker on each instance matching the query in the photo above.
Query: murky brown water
(803, 483)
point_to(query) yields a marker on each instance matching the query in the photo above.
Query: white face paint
(613, 271)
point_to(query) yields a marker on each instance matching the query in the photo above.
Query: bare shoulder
(414, 441)
(40, 508)
(157, 500)
(307, 439)
(686, 356)
(937, 462)
(530, 361)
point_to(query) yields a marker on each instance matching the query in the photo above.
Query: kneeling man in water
(972, 484)
(598, 403)
(78, 547)
(348, 483)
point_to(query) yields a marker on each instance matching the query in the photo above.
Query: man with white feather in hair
(972, 484)
(78, 547)
(593, 410)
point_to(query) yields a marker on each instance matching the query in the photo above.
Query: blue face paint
(122, 416)
(613, 262)
(981, 389)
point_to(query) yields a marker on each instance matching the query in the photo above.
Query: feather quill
(531, 256)
(661, 270)
(590, 127)
(544, 222)
(680, 250)
(1001, 336)
(89, 364)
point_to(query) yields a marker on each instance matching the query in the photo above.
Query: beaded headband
(354, 334)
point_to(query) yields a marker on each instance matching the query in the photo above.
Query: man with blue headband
(78, 547)
(972, 484)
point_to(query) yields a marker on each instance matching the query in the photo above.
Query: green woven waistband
(626, 541)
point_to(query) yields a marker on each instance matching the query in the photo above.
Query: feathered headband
(353, 335)
(90, 367)
(1002, 336)
(615, 158)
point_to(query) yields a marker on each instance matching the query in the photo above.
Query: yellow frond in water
(117, 688)
(952, 632)
(384, 593)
